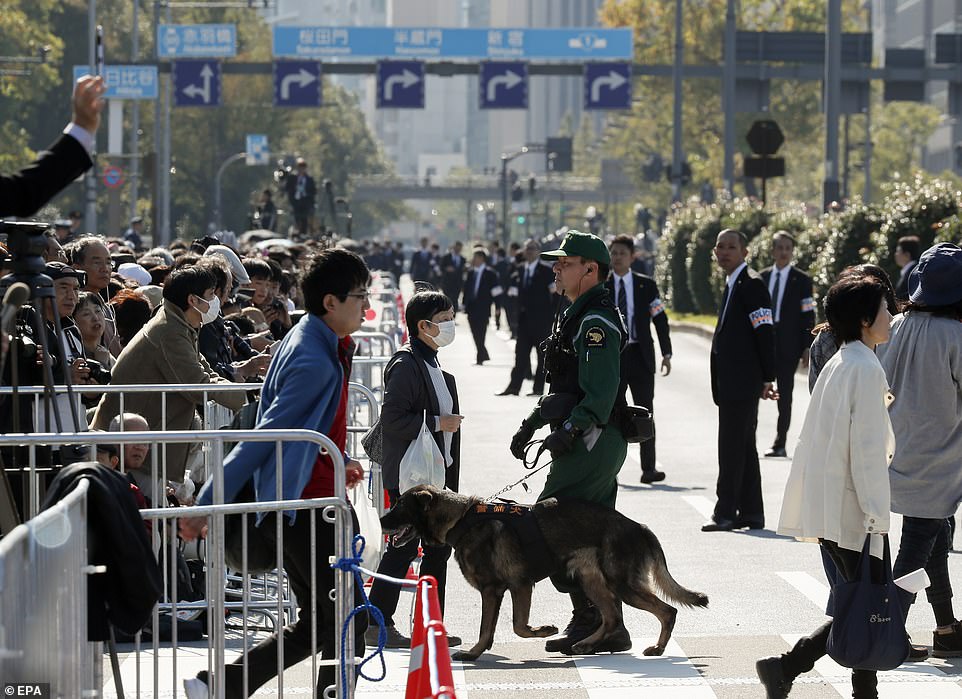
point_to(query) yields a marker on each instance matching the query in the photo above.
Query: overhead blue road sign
(196, 40)
(607, 86)
(125, 82)
(297, 84)
(578, 44)
(257, 151)
(503, 85)
(196, 83)
(400, 84)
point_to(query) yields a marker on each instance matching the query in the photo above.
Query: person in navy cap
(923, 364)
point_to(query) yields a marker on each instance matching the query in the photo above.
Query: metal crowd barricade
(335, 510)
(214, 416)
(359, 422)
(43, 598)
(374, 351)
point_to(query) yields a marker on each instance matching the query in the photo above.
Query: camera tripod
(26, 245)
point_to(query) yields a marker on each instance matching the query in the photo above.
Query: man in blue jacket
(305, 387)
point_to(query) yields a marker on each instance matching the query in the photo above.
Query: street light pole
(220, 172)
(505, 159)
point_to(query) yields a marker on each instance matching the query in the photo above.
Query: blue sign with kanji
(503, 85)
(494, 43)
(607, 85)
(400, 85)
(297, 84)
(196, 40)
(196, 83)
(129, 82)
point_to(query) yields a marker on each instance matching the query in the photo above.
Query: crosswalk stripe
(660, 675)
(813, 589)
(702, 505)
(909, 680)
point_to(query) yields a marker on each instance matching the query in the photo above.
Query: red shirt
(321, 484)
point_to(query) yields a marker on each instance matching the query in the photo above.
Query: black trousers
(395, 563)
(262, 658)
(801, 658)
(785, 380)
(478, 322)
(530, 337)
(636, 376)
(739, 487)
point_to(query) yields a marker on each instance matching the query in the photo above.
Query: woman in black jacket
(416, 390)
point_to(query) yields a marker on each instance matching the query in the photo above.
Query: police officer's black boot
(585, 620)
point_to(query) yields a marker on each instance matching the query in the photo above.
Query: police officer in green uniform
(582, 360)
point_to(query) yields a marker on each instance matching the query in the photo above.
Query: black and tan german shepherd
(612, 558)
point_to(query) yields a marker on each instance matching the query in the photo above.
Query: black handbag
(373, 442)
(868, 629)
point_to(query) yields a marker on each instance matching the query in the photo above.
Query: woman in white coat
(838, 488)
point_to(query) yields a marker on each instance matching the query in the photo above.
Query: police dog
(612, 558)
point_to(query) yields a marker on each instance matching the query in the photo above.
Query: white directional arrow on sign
(612, 81)
(510, 79)
(196, 90)
(303, 78)
(405, 79)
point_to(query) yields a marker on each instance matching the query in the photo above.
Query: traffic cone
(417, 665)
(429, 647)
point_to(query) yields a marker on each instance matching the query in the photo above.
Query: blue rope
(353, 564)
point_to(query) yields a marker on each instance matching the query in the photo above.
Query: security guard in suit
(532, 286)
(583, 362)
(637, 299)
(793, 310)
(742, 372)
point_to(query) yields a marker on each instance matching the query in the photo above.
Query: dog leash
(527, 465)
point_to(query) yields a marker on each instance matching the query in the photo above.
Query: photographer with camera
(23, 193)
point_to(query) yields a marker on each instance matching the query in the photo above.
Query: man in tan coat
(165, 352)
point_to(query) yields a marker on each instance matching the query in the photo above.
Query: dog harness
(540, 562)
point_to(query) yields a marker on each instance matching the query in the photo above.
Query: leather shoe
(718, 525)
(454, 641)
(776, 451)
(652, 476)
(507, 392)
(772, 676)
(532, 394)
(749, 524)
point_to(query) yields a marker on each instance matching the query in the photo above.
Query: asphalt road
(765, 590)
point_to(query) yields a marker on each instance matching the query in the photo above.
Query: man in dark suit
(23, 193)
(794, 315)
(907, 252)
(481, 286)
(742, 371)
(301, 191)
(637, 298)
(422, 262)
(452, 273)
(533, 289)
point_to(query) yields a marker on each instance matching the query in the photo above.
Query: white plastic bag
(422, 463)
(369, 526)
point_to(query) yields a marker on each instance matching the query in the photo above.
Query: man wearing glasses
(305, 387)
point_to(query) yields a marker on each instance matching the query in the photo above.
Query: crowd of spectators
(195, 312)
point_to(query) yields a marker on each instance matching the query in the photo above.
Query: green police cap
(578, 244)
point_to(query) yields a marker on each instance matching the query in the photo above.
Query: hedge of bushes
(691, 282)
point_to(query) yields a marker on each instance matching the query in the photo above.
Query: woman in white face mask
(417, 392)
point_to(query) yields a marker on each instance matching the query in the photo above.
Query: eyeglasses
(363, 295)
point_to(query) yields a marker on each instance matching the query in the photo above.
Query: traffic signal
(521, 219)
(558, 154)
(490, 224)
(517, 194)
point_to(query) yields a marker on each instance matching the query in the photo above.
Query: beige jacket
(838, 486)
(164, 352)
